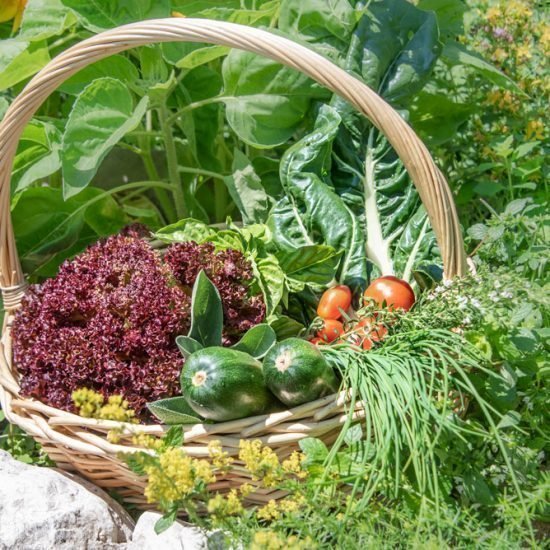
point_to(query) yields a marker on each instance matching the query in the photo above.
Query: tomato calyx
(366, 332)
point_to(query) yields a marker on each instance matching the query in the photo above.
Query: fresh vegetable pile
(109, 319)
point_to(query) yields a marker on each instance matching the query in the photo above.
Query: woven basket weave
(80, 444)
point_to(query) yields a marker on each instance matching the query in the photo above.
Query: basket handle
(429, 181)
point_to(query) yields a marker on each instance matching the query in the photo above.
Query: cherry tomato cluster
(339, 322)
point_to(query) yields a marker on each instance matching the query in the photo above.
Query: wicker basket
(80, 444)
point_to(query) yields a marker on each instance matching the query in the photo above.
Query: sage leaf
(101, 115)
(257, 341)
(187, 345)
(206, 312)
(174, 411)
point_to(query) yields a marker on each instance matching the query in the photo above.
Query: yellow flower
(290, 505)
(534, 130)
(260, 461)
(294, 464)
(523, 53)
(499, 55)
(147, 441)
(228, 506)
(270, 540)
(203, 471)
(88, 402)
(113, 436)
(219, 457)
(246, 489)
(117, 408)
(269, 512)
(493, 15)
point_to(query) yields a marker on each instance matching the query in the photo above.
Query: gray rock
(179, 536)
(43, 509)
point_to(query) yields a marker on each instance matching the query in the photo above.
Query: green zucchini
(224, 384)
(296, 372)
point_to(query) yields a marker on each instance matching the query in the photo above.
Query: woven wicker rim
(81, 444)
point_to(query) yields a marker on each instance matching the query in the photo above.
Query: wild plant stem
(172, 161)
(152, 172)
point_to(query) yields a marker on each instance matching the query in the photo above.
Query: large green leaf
(246, 190)
(437, 118)
(45, 18)
(49, 229)
(397, 46)
(327, 24)
(115, 65)
(97, 15)
(312, 212)
(37, 154)
(101, 115)
(206, 312)
(265, 102)
(201, 56)
(20, 59)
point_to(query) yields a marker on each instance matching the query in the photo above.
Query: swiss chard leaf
(393, 49)
(313, 264)
(257, 341)
(206, 312)
(312, 211)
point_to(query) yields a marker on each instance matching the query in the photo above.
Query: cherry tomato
(396, 293)
(331, 330)
(333, 301)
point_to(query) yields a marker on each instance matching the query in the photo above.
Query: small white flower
(507, 294)
(497, 284)
(493, 296)
(476, 303)
(447, 283)
(439, 289)
(467, 321)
